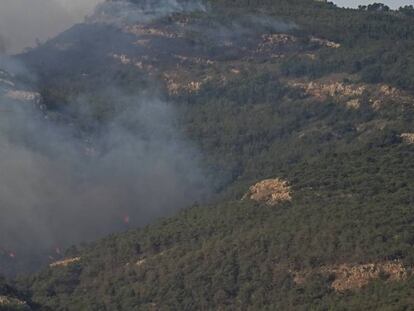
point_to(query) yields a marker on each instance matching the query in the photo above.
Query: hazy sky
(24, 21)
(391, 3)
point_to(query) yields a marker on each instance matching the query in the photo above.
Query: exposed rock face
(269, 191)
(326, 43)
(176, 84)
(351, 94)
(191, 87)
(323, 90)
(4, 300)
(7, 82)
(24, 96)
(353, 277)
(407, 138)
(11, 89)
(388, 90)
(142, 30)
(353, 103)
(269, 41)
(65, 262)
(124, 59)
(9, 302)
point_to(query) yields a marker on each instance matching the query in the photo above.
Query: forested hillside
(316, 99)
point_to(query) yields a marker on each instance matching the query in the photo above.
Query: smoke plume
(60, 186)
(66, 177)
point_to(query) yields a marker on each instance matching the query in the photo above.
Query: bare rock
(269, 191)
(65, 262)
(407, 138)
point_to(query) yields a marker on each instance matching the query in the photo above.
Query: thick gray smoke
(59, 187)
(25, 22)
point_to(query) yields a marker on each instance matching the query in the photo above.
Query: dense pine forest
(299, 91)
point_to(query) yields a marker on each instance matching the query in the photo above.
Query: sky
(391, 3)
(23, 22)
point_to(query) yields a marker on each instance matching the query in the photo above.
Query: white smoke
(123, 12)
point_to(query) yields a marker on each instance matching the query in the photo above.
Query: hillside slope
(306, 93)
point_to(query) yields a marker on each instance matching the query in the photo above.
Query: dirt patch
(269, 191)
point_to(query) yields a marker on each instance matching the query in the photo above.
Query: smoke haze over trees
(60, 185)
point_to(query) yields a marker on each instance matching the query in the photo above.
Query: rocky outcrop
(65, 262)
(407, 138)
(353, 103)
(348, 277)
(384, 93)
(322, 90)
(324, 42)
(351, 94)
(7, 83)
(6, 301)
(175, 88)
(271, 40)
(123, 59)
(176, 84)
(24, 96)
(11, 89)
(142, 63)
(143, 30)
(270, 192)
(355, 276)
(281, 39)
